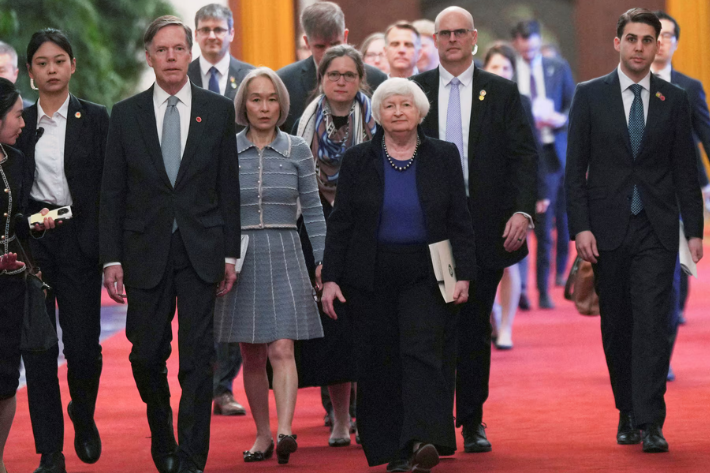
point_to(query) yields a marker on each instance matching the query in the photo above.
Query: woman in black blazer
(64, 143)
(397, 194)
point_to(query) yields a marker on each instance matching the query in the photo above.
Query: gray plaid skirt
(273, 298)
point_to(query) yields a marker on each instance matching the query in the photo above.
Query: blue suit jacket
(700, 117)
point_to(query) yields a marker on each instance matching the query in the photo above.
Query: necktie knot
(636, 89)
(172, 101)
(455, 82)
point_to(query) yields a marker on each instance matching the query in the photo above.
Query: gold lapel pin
(233, 82)
(482, 95)
(77, 114)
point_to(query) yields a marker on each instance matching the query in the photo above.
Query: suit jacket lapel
(655, 109)
(478, 110)
(76, 122)
(616, 105)
(149, 131)
(432, 93)
(233, 80)
(198, 115)
(308, 77)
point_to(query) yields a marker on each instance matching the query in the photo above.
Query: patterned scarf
(329, 144)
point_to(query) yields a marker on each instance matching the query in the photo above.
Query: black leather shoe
(399, 465)
(524, 303)
(286, 446)
(163, 447)
(474, 439)
(87, 442)
(251, 457)
(187, 467)
(653, 440)
(546, 302)
(341, 442)
(425, 458)
(51, 463)
(627, 433)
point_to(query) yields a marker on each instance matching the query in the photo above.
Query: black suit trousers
(76, 289)
(149, 329)
(473, 366)
(634, 283)
(405, 334)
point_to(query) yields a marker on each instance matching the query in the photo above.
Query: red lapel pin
(199, 119)
(660, 96)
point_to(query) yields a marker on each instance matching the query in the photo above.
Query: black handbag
(38, 332)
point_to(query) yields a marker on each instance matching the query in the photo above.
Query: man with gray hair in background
(402, 47)
(8, 66)
(220, 72)
(323, 24)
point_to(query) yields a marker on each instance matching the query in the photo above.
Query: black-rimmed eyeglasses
(335, 76)
(446, 34)
(218, 32)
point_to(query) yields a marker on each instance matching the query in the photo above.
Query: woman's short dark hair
(504, 50)
(8, 96)
(48, 34)
(638, 15)
(340, 51)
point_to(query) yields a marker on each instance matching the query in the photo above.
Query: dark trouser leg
(562, 229)
(227, 366)
(645, 269)
(523, 266)
(12, 305)
(684, 290)
(474, 348)
(543, 227)
(674, 312)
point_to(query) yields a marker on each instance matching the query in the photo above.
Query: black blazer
(301, 79)
(351, 240)
(502, 161)
(138, 203)
(700, 117)
(601, 171)
(543, 190)
(84, 150)
(237, 72)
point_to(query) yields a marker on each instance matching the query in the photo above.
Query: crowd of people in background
(288, 217)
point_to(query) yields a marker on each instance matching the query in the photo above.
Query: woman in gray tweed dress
(273, 303)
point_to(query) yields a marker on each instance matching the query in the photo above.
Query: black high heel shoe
(286, 446)
(257, 456)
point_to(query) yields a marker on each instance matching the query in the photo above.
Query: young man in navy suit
(630, 165)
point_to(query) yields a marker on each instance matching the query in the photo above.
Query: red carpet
(550, 408)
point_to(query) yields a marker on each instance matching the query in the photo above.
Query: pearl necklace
(410, 161)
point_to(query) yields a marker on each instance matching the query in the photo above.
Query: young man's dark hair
(665, 16)
(525, 29)
(638, 15)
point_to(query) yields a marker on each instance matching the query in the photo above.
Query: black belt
(35, 206)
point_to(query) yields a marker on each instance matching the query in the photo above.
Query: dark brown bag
(580, 288)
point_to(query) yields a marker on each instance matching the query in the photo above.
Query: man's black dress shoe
(425, 458)
(627, 433)
(399, 465)
(524, 303)
(474, 439)
(166, 461)
(87, 442)
(51, 463)
(653, 440)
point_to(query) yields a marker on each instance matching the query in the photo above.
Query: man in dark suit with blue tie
(630, 165)
(170, 229)
(221, 73)
(549, 84)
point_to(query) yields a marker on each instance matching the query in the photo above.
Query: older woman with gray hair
(397, 194)
(272, 304)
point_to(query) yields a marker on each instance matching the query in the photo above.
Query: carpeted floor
(550, 408)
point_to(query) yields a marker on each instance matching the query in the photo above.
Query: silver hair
(400, 86)
(323, 20)
(240, 100)
(215, 11)
(10, 51)
(445, 11)
(160, 23)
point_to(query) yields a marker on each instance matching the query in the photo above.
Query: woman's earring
(32, 84)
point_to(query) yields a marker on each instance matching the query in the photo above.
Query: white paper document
(442, 258)
(242, 252)
(686, 259)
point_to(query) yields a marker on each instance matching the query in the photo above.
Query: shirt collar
(281, 144)
(466, 76)
(626, 81)
(222, 66)
(62, 112)
(665, 73)
(184, 95)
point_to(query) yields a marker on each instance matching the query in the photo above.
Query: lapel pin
(199, 119)
(233, 82)
(660, 96)
(77, 114)
(482, 95)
